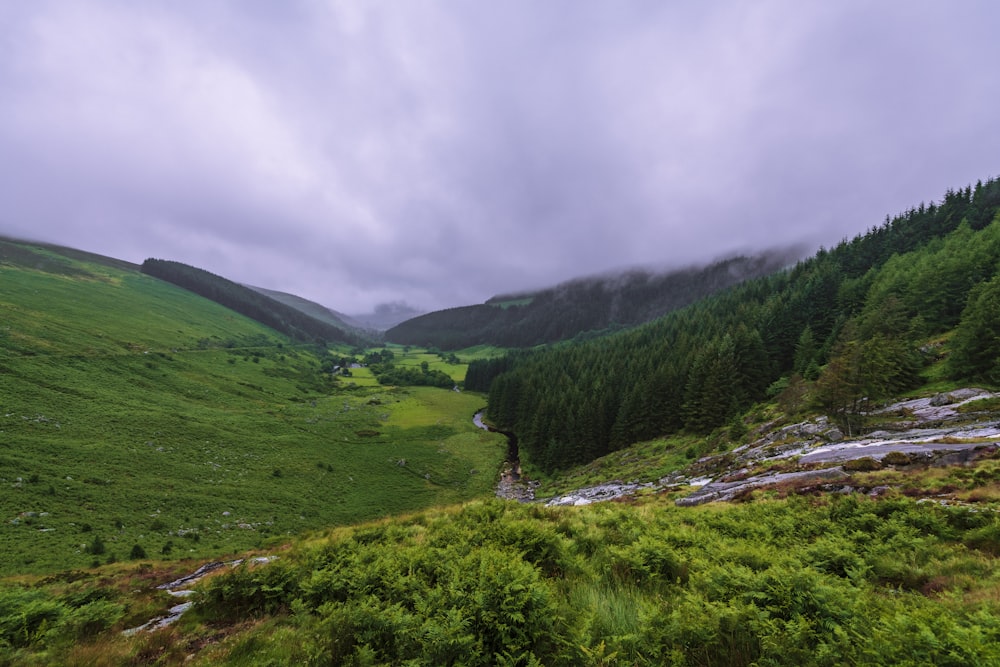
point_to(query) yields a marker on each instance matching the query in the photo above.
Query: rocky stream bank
(944, 429)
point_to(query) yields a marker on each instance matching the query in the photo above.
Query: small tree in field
(96, 546)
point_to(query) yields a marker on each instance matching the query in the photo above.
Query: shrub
(92, 618)
(985, 539)
(646, 562)
(864, 464)
(96, 546)
(538, 543)
(27, 617)
(896, 458)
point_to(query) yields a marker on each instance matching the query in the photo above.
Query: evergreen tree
(862, 308)
(975, 348)
(712, 392)
(805, 355)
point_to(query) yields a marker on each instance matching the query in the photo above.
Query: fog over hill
(589, 305)
(387, 315)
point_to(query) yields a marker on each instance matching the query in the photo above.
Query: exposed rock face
(958, 396)
(929, 428)
(594, 494)
(790, 438)
(729, 490)
(942, 407)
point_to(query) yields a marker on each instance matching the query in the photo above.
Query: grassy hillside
(315, 310)
(256, 305)
(829, 580)
(136, 417)
(141, 425)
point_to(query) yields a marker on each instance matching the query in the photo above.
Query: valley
(137, 418)
(801, 468)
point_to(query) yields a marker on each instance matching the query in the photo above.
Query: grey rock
(721, 491)
(833, 435)
(942, 399)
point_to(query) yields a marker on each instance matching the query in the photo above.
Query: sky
(439, 152)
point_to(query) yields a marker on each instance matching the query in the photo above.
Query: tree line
(851, 325)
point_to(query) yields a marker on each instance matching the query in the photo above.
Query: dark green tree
(975, 348)
(806, 352)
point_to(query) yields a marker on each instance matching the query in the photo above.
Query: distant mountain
(316, 310)
(912, 302)
(593, 304)
(386, 316)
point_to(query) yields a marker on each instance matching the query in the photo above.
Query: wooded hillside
(854, 323)
(587, 305)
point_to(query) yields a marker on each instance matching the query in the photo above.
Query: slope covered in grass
(829, 580)
(136, 417)
(290, 320)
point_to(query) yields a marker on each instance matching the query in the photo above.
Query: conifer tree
(975, 348)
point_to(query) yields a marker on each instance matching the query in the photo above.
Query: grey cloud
(440, 152)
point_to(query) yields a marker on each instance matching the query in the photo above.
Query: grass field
(135, 414)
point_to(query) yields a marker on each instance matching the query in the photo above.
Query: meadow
(137, 418)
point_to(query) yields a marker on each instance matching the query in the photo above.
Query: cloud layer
(439, 152)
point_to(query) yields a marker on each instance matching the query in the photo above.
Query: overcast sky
(443, 151)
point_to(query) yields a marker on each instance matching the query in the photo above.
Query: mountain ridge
(599, 303)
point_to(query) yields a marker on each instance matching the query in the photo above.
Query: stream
(510, 486)
(930, 430)
(177, 588)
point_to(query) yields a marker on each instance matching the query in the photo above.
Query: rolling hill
(292, 320)
(138, 417)
(318, 311)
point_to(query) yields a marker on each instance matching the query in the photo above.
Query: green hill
(317, 311)
(291, 320)
(134, 413)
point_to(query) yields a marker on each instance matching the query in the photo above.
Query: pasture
(137, 417)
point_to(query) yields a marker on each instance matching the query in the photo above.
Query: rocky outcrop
(930, 430)
(719, 491)
(593, 494)
(513, 487)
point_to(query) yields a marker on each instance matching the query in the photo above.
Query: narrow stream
(175, 588)
(510, 486)
(513, 453)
